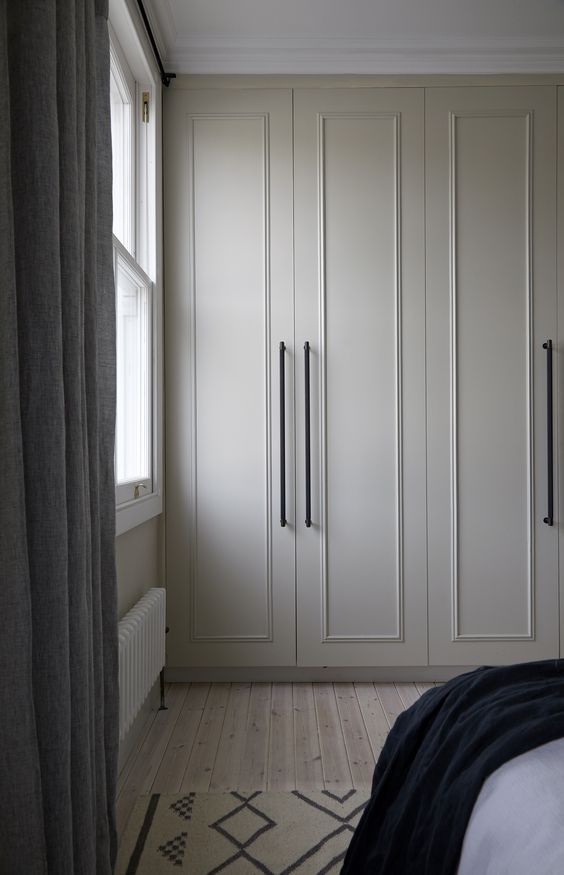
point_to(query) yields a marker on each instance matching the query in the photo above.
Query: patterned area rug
(240, 833)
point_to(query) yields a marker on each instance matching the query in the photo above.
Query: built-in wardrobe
(361, 371)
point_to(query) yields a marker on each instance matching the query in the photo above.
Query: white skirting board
(295, 674)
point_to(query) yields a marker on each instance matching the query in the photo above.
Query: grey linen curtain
(58, 630)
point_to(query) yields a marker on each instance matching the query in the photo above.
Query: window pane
(122, 156)
(133, 421)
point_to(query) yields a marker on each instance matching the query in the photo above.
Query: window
(135, 112)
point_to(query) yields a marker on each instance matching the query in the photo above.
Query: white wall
(138, 560)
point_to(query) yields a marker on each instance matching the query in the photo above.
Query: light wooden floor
(219, 737)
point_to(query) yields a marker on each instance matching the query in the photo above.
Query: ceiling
(359, 36)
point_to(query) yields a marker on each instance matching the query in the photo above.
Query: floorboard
(309, 770)
(334, 760)
(423, 687)
(409, 694)
(391, 700)
(373, 715)
(254, 765)
(281, 760)
(227, 766)
(177, 754)
(146, 765)
(357, 743)
(130, 762)
(200, 766)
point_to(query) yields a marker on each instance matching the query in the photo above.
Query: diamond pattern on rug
(244, 824)
(183, 806)
(292, 833)
(174, 849)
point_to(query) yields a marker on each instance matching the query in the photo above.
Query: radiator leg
(163, 706)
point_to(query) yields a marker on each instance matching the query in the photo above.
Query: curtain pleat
(58, 645)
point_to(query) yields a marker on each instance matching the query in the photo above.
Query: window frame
(131, 49)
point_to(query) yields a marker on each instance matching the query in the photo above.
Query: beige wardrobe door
(229, 304)
(360, 298)
(491, 298)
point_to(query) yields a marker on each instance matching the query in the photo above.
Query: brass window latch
(138, 486)
(145, 106)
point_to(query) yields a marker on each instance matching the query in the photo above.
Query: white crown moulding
(362, 55)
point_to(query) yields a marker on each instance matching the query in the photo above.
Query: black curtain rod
(165, 77)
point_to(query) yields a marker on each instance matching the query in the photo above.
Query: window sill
(134, 513)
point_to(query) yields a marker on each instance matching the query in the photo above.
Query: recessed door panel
(359, 187)
(491, 341)
(230, 363)
(491, 304)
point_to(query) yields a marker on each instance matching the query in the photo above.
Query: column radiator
(141, 654)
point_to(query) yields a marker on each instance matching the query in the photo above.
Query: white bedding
(517, 825)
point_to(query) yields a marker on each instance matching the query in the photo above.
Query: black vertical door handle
(307, 437)
(282, 436)
(549, 519)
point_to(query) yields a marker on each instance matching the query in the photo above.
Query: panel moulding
(456, 635)
(398, 635)
(193, 499)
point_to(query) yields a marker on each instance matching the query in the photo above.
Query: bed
(471, 780)
(517, 824)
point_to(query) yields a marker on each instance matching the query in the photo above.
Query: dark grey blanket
(437, 757)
